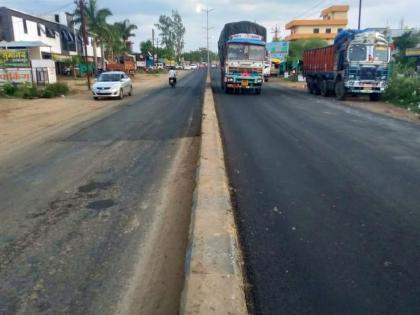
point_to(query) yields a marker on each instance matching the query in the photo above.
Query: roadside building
(55, 37)
(333, 20)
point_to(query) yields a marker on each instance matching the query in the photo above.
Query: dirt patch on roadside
(362, 102)
(23, 120)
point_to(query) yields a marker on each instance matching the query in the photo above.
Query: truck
(357, 63)
(242, 53)
(126, 63)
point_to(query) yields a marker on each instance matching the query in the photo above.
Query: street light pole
(85, 38)
(360, 13)
(207, 29)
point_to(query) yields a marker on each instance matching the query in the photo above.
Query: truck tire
(374, 97)
(340, 90)
(309, 86)
(324, 88)
(316, 87)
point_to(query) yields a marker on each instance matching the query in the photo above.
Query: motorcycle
(172, 82)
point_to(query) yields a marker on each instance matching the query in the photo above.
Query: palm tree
(95, 22)
(126, 30)
(114, 41)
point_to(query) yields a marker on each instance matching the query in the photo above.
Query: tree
(179, 32)
(199, 55)
(126, 30)
(172, 33)
(114, 41)
(146, 47)
(409, 39)
(95, 22)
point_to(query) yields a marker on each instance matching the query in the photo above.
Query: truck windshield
(245, 52)
(380, 53)
(357, 53)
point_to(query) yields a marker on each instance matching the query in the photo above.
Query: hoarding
(15, 75)
(278, 50)
(412, 52)
(14, 58)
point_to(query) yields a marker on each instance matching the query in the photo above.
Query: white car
(194, 66)
(187, 67)
(114, 84)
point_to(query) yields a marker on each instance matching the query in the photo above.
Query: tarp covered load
(238, 28)
(345, 35)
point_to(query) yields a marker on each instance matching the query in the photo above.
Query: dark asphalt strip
(327, 203)
(75, 209)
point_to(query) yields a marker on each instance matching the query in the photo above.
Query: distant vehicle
(194, 66)
(126, 63)
(187, 67)
(178, 67)
(113, 84)
(356, 63)
(214, 65)
(267, 72)
(159, 66)
(242, 53)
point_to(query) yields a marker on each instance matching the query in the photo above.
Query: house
(56, 37)
(333, 20)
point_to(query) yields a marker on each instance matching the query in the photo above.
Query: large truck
(242, 53)
(357, 63)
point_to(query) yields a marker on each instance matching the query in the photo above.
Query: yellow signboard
(412, 52)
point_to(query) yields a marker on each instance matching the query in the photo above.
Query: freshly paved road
(328, 203)
(95, 220)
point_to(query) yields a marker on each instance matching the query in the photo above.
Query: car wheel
(121, 96)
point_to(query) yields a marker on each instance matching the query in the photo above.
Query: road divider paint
(214, 282)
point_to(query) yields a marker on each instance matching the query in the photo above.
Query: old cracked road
(328, 203)
(95, 220)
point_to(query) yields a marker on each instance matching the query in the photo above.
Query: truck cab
(365, 68)
(244, 63)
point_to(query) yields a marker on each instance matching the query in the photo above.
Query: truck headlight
(230, 79)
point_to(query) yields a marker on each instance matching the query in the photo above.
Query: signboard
(14, 58)
(246, 36)
(412, 52)
(278, 50)
(141, 64)
(15, 75)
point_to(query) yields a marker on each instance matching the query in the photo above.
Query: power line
(310, 9)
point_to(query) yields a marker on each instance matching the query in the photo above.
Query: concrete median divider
(214, 282)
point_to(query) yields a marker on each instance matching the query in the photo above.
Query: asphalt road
(328, 203)
(95, 220)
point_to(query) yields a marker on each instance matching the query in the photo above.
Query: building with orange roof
(333, 20)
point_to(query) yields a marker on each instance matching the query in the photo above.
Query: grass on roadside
(28, 91)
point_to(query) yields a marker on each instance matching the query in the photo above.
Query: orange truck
(125, 63)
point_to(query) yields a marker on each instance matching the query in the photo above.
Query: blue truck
(242, 51)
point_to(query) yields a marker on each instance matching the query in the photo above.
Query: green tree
(114, 41)
(146, 47)
(172, 33)
(409, 39)
(178, 33)
(126, 30)
(95, 23)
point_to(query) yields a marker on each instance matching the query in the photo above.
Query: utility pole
(207, 28)
(85, 38)
(360, 13)
(153, 45)
(276, 32)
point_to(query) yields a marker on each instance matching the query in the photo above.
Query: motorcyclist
(172, 74)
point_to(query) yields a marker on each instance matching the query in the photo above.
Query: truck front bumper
(366, 87)
(243, 82)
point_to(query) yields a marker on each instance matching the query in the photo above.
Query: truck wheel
(340, 90)
(374, 97)
(316, 87)
(324, 88)
(309, 87)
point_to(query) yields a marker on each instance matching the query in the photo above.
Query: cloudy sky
(145, 13)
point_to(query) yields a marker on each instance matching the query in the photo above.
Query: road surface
(328, 203)
(95, 220)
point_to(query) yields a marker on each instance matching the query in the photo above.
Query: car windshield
(380, 53)
(109, 77)
(357, 53)
(245, 52)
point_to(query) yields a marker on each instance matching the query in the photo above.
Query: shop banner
(14, 58)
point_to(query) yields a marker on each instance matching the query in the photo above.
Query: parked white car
(187, 67)
(114, 84)
(194, 66)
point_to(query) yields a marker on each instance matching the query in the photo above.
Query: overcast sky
(145, 13)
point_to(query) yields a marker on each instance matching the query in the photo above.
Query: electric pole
(153, 45)
(276, 32)
(207, 28)
(360, 13)
(85, 38)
